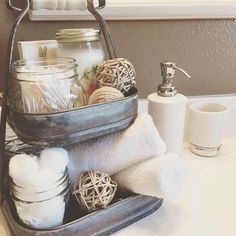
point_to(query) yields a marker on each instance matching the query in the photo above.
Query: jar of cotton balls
(40, 187)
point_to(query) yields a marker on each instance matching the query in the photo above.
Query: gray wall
(206, 49)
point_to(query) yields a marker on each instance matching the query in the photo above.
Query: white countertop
(206, 205)
(207, 202)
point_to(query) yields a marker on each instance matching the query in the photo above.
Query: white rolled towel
(76, 5)
(59, 4)
(161, 177)
(44, 4)
(117, 151)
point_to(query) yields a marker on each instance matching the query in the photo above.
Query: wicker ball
(117, 73)
(94, 190)
(105, 94)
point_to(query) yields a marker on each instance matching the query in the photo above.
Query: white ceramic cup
(206, 127)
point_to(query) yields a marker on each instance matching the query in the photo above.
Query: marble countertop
(206, 205)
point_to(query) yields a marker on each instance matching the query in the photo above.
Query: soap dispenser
(167, 108)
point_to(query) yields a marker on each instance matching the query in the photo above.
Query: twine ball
(105, 94)
(94, 190)
(117, 73)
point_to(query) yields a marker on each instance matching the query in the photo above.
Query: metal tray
(125, 209)
(99, 223)
(64, 128)
(76, 125)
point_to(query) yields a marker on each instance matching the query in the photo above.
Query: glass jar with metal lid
(84, 46)
(40, 86)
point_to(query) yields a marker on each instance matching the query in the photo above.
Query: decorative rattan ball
(94, 190)
(117, 73)
(105, 94)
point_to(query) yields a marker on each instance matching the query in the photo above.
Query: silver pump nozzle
(167, 88)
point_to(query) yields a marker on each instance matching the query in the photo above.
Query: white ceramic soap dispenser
(167, 107)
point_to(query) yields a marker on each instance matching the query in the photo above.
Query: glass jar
(45, 85)
(42, 207)
(84, 46)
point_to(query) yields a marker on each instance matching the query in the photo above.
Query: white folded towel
(161, 176)
(117, 151)
(59, 4)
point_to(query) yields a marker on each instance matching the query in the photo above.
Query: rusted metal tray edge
(76, 125)
(100, 223)
(82, 135)
(75, 110)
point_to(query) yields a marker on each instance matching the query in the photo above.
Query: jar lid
(78, 35)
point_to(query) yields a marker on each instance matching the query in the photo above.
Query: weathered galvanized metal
(76, 125)
(126, 209)
(99, 223)
(5, 83)
(105, 30)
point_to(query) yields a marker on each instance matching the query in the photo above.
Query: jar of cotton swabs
(40, 86)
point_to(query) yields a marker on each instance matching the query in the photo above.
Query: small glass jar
(42, 207)
(84, 46)
(45, 85)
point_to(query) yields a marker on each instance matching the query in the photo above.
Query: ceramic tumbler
(206, 128)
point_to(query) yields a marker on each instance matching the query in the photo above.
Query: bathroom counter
(206, 205)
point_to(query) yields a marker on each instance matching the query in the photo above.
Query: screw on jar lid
(78, 35)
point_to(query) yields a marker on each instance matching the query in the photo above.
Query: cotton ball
(22, 169)
(42, 215)
(55, 159)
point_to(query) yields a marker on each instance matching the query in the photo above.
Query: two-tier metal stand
(126, 209)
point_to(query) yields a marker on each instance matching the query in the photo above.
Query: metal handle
(101, 4)
(10, 49)
(11, 7)
(105, 30)
(23, 12)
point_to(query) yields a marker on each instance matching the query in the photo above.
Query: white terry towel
(117, 151)
(59, 4)
(161, 177)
